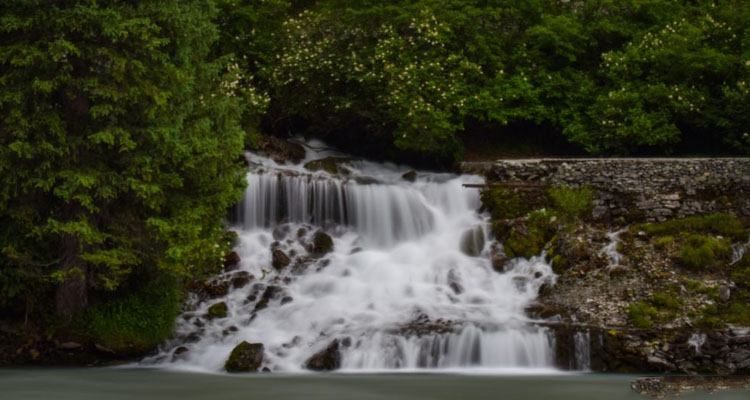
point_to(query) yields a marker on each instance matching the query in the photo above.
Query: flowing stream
(407, 286)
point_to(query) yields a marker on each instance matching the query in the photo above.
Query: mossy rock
(218, 310)
(245, 357)
(332, 165)
(529, 237)
(279, 259)
(504, 203)
(322, 244)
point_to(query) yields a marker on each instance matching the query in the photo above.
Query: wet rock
(245, 357)
(218, 310)
(498, 257)
(332, 165)
(366, 180)
(231, 260)
(69, 346)
(179, 352)
(328, 359)
(269, 294)
(410, 176)
(280, 150)
(456, 287)
(322, 244)
(472, 241)
(241, 279)
(287, 300)
(280, 259)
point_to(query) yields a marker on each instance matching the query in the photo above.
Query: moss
(718, 224)
(710, 318)
(572, 204)
(667, 301)
(664, 242)
(738, 313)
(642, 315)
(528, 238)
(741, 271)
(218, 310)
(704, 251)
(504, 203)
(135, 322)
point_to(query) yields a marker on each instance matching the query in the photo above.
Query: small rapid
(400, 289)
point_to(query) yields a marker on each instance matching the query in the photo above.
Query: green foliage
(504, 203)
(135, 321)
(572, 204)
(664, 242)
(719, 224)
(710, 318)
(528, 238)
(642, 315)
(612, 76)
(667, 301)
(703, 251)
(120, 142)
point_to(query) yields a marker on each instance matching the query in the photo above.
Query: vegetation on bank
(122, 124)
(119, 156)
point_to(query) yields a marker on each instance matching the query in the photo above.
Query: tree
(119, 144)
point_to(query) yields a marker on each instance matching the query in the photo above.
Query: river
(146, 383)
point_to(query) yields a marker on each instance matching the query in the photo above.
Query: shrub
(666, 301)
(718, 224)
(503, 203)
(642, 315)
(134, 322)
(704, 251)
(664, 242)
(570, 203)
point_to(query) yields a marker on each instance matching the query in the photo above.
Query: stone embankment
(651, 189)
(630, 297)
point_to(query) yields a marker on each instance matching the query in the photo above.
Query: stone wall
(637, 189)
(654, 350)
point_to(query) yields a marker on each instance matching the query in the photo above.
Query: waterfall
(582, 350)
(614, 257)
(397, 292)
(738, 251)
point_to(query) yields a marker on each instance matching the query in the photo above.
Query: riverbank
(650, 256)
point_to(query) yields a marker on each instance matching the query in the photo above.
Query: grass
(704, 251)
(718, 224)
(642, 315)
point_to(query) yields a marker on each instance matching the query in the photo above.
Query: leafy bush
(572, 204)
(642, 315)
(668, 301)
(704, 251)
(134, 322)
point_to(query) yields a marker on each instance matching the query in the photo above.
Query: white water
(614, 257)
(738, 251)
(397, 291)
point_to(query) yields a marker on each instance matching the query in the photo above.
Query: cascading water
(399, 290)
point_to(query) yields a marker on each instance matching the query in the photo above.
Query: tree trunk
(71, 297)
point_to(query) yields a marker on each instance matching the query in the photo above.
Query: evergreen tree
(119, 145)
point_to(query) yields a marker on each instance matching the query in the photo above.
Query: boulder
(280, 150)
(472, 241)
(280, 259)
(218, 310)
(332, 165)
(245, 357)
(241, 279)
(410, 176)
(322, 244)
(269, 294)
(328, 359)
(231, 260)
